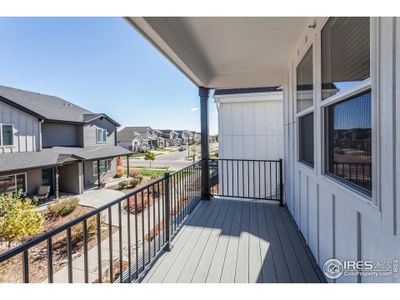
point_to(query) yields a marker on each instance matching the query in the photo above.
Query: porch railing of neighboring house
(120, 239)
(244, 178)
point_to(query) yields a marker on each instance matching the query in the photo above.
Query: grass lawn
(149, 172)
(137, 155)
(166, 150)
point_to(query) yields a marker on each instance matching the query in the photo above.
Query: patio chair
(42, 192)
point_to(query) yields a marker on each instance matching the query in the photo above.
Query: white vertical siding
(250, 127)
(26, 129)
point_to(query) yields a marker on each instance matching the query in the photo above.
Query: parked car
(181, 148)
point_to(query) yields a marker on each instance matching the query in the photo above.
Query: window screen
(345, 54)
(349, 140)
(304, 78)
(306, 139)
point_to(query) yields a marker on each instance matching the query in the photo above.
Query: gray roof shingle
(47, 107)
(127, 134)
(56, 156)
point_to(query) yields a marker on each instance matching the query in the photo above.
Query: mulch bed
(11, 270)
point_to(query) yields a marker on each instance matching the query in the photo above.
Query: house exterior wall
(34, 180)
(335, 220)
(89, 179)
(71, 178)
(90, 131)
(61, 134)
(250, 126)
(26, 129)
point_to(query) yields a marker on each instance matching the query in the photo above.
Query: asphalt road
(174, 160)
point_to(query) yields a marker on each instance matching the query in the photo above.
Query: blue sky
(101, 64)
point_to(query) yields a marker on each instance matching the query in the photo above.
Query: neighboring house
(184, 137)
(340, 79)
(138, 138)
(46, 140)
(170, 137)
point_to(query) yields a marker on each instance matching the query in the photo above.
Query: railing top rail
(243, 159)
(45, 236)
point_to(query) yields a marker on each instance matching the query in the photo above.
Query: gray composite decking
(229, 240)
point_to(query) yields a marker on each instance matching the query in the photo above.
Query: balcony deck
(240, 241)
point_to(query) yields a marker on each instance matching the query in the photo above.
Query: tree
(19, 218)
(149, 156)
(193, 149)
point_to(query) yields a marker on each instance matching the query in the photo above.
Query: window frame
(15, 179)
(94, 170)
(102, 130)
(323, 104)
(1, 134)
(325, 154)
(310, 45)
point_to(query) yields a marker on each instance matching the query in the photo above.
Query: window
(304, 79)
(105, 166)
(306, 139)
(305, 100)
(13, 183)
(345, 63)
(101, 135)
(348, 125)
(6, 135)
(345, 54)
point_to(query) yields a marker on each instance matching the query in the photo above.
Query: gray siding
(71, 178)
(90, 130)
(26, 129)
(89, 179)
(64, 135)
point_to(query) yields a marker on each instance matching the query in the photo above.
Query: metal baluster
(110, 244)
(120, 242)
(158, 214)
(69, 255)
(143, 229)
(85, 251)
(50, 260)
(154, 221)
(148, 224)
(128, 216)
(98, 229)
(136, 236)
(25, 266)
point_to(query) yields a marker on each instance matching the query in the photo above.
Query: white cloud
(194, 109)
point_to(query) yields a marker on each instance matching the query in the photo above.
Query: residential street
(174, 160)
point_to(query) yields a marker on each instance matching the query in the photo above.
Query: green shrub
(19, 218)
(134, 182)
(64, 207)
(140, 177)
(123, 184)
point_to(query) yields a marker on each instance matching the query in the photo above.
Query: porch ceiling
(225, 52)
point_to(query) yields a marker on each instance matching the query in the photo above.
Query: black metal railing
(114, 243)
(244, 178)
